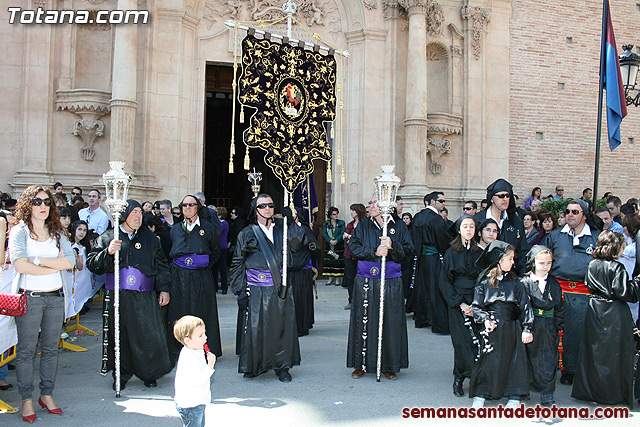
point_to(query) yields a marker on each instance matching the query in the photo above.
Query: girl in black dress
(545, 294)
(501, 304)
(459, 279)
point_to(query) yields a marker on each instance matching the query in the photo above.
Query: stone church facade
(455, 93)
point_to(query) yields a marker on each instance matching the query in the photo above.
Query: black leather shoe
(249, 375)
(150, 383)
(284, 376)
(566, 379)
(6, 387)
(457, 387)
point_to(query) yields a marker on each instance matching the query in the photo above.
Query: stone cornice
(444, 124)
(368, 34)
(84, 101)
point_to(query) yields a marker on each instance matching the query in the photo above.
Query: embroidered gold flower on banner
(293, 90)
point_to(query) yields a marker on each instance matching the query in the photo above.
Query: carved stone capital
(88, 130)
(480, 17)
(415, 6)
(436, 148)
(392, 10)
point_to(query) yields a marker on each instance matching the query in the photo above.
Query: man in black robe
(303, 247)
(195, 248)
(502, 209)
(144, 287)
(572, 247)
(368, 246)
(431, 241)
(269, 338)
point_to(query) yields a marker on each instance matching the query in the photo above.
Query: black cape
(459, 274)
(303, 247)
(143, 344)
(503, 371)
(429, 231)
(365, 311)
(606, 356)
(269, 339)
(193, 291)
(542, 352)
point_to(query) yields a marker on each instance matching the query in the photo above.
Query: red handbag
(13, 304)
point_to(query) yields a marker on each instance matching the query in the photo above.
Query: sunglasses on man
(37, 201)
(503, 195)
(572, 211)
(265, 205)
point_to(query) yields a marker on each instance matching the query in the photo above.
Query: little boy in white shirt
(193, 374)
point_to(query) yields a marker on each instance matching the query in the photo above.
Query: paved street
(322, 391)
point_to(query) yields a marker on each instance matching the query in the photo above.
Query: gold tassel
(242, 114)
(333, 133)
(231, 165)
(342, 178)
(329, 173)
(338, 158)
(233, 148)
(247, 161)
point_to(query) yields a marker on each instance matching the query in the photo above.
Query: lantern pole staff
(117, 183)
(386, 189)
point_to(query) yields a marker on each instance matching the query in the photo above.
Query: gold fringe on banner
(247, 160)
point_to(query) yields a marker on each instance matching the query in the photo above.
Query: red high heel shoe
(56, 411)
(29, 418)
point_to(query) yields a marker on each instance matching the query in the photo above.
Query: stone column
(415, 123)
(123, 101)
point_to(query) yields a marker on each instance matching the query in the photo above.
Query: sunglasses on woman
(37, 201)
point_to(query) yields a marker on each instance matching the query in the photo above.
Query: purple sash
(131, 279)
(259, 277)
(307, 265)
(372, 269)
(192, 261)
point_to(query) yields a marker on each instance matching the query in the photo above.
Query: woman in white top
(40, 253)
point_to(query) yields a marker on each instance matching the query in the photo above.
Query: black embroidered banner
(293, 90)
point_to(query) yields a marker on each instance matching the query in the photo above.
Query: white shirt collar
(191, 226)
(490, 216)
(433, 209)
(131, 236)
(268, 230)
(542, 281)
(586, 231)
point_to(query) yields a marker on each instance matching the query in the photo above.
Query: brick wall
(553, 129)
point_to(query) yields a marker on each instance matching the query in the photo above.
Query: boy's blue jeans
(192, 417)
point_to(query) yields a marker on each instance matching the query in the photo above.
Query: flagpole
(603, 41)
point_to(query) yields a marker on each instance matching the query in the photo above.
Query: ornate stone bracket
(481, 17)
(436, 148)
(90, 105)
(88, 130)
(439, 126)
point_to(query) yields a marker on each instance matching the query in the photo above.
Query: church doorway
(226, 189)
